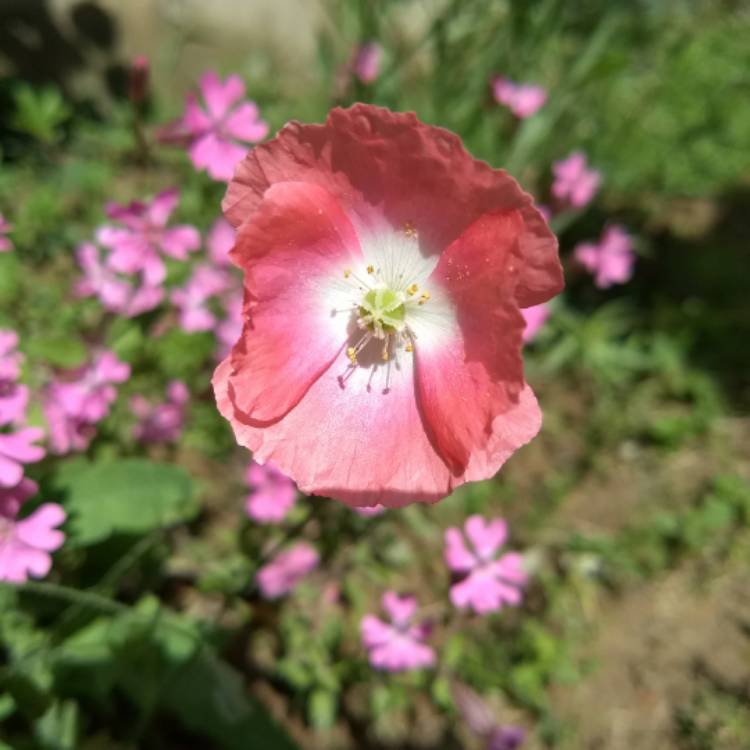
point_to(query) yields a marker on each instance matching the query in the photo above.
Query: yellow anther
(347, 273)
(409, 347)
(351, 352)
(409, 229)
(424, 297)
(386, 356)
(410, 290)
(370, 269)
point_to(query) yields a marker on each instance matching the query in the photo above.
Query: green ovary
(386, 309)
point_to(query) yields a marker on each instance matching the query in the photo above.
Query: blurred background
(158, 590)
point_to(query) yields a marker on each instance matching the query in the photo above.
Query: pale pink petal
(178, 241)
(162, 206)
(244, 124)
(220, 95)
(218, 157)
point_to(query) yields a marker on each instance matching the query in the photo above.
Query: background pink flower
(16, 449)
(489, 581)
(534, 317)
(164, 422)
(574, 182)
(25, 543)
(522, 99)
(217, 133)
(282, 574)
(5, 243)
(14, 397)
(366, 62)
(610, 260)
(192, 299)
(220, 240)
(272, 494)
(398, 645)
(143, 237)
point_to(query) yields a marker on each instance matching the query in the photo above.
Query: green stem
(64, 593)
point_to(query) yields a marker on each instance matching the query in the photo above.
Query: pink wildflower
(192, 298)
(282, 574)
(481, 719)
(366, 62)
(5, 243)
(229, 330)
(272, 493)
(116, 293)
(161, 423)
(534, 317)
(217, 135)
(611, 260)
(25, 543)
(380, 361)
(13, 396)
(489, 581)
(143, 237)
(522, 99)
(220, 241)
(398, 645)
(16, 449)
(67, 433)
(574, 183)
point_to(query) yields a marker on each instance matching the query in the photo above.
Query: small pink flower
(534, 317)
(272, 494)
(279, 576)
(611, 260)
(161, 423)
(220, 241)
(366, 62)
(489, 582)
(5, 243)
(116, 293)
(192, 298)
(25, 543)
(398, 645)
(10, 358)
(13, 396)
(217, 135)
(67, 433)
(574, 183)
(16, 449)
(522, 99)
(143, 237)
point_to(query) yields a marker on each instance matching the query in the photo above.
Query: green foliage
(40, 113)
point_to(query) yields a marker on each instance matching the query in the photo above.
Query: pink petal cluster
(163, 422)
(220, 240)
(611, 260)
(282, 574)
(116, 292)
(5, 243)
(192, 299)
(272, 494)
(488, 581)
(398, 645)
(522, 99)
(228, 331)
(217, 133)
(75, 404)
(534, 317)
(574, 183)
(141, 237)
(336, 220)
(366, 62)
(26, 543)
(13, 396)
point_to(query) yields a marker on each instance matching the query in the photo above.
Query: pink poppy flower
(143, 237)
(366, 62)
(380, 360)
(116, 293)
(5, 243)
(16, 449)
(522, 99)
(217, 135)
(272, 494)
(611, 260)
(489, 582)
(220, 241)
(398, 645)
(161, 423)
(26, 543)
(191, 299)
(534, 317)
(229, 330)
(574, 183)
(282, 574)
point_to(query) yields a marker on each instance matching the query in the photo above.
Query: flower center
(383, 311)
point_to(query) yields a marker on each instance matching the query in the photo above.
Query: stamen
(423, 297)
(371, 269)
(410, 230)
(386, 344)
(412, 290)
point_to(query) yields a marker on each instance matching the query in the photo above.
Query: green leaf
(39, 112)
(322, 708)
(127, 496)
(57, 729)
(61, 351)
